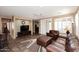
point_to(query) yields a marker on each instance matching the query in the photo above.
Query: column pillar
(31, 27)
(14, 29)
(0, 26)
(73, 26)
(53, 24)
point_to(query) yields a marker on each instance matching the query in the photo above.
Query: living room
(26, 24)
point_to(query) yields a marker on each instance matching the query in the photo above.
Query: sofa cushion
(44, 40)
(53, 48)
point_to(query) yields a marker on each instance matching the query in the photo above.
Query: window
(63, 24)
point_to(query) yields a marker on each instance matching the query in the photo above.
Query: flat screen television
(24, 28)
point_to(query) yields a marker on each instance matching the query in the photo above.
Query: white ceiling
(36, 12)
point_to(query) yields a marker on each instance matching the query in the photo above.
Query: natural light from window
(63, 24)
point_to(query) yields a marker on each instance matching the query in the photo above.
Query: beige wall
(18, 23)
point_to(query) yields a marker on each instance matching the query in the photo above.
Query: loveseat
(53, 33)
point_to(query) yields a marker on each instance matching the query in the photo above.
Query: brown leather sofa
(67, 45)
(57, 46)
(51, 48)
(53, 33)
(44, 41)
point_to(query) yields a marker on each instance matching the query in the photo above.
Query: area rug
(24, 45)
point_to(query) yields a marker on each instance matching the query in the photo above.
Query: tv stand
(23, 33)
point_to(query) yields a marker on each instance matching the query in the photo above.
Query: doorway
(6, 23)
(36, 27)
(5, 33)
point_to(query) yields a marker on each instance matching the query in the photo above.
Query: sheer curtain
(62, 25)
(45, 26)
